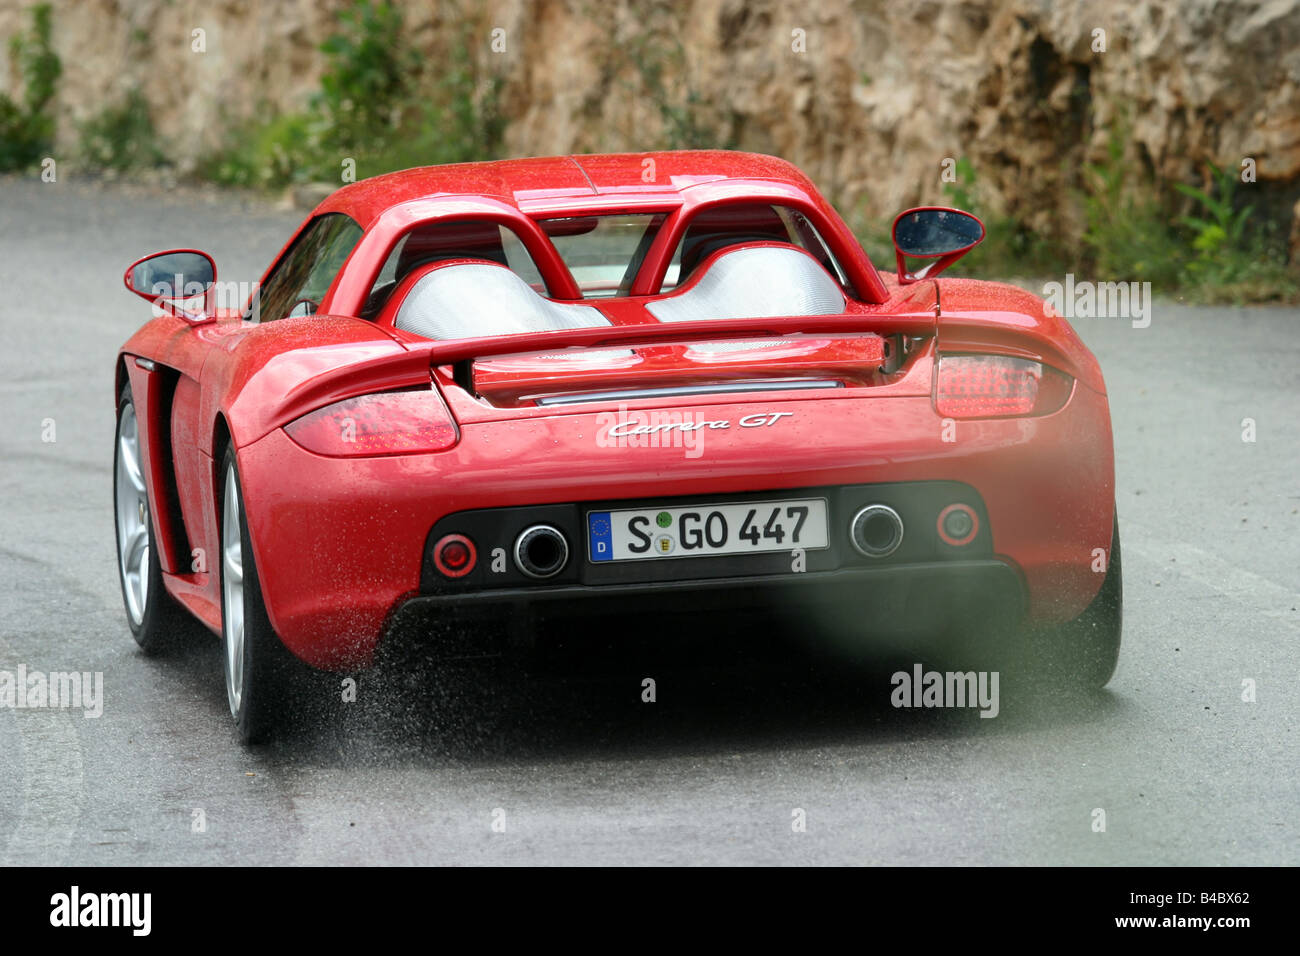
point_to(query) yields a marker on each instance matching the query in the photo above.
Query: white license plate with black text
(692, 531)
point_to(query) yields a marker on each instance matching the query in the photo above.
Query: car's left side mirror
(178, 280)
(933, 232)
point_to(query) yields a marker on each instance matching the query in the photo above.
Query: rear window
(718, 228)
(456, 239)
(604, 253)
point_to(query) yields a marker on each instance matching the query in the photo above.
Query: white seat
(473, 299)
(755, 282)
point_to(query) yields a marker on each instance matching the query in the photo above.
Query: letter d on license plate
(693, 531)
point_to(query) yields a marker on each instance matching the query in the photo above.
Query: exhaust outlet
(876, 531)
(541, 551)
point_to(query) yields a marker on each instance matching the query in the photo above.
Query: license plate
(695, 531)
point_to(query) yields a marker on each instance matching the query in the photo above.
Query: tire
(261, 674)
(1083, 654)
(158, 623)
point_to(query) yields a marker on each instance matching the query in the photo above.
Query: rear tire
(158, 623)
(261, 674)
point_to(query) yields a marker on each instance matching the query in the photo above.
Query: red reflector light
(387, 423)
(958, 524)
(454, 555)
(997, 386)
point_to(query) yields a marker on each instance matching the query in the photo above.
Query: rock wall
(869, 97)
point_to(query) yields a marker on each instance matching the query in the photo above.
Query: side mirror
(933, 232)
(178, 281)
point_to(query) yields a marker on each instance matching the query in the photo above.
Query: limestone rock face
(870, 97)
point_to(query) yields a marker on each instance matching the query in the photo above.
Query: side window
(303, 275)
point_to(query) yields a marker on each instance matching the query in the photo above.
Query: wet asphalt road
(577, 767)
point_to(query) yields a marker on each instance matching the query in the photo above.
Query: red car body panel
(340, 542)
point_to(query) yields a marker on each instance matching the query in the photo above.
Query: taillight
(997, 386)
(387, 423)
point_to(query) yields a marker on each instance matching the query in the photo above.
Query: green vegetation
(26, 126)
(1203, 245)
(122, 137)
(1127, 232)
(380, 104)
(368, 82)
(1230, 261)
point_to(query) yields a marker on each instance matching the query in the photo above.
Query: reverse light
(998, 386)
(385, 423)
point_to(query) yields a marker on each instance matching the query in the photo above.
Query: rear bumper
(883, 601)
(341, 544)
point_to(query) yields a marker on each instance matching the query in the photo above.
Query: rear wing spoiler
(462, 353)
(364, 367)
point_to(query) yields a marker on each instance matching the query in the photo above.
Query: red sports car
(604, 385)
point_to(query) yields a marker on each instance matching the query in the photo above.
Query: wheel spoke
(236, 656)
(129, 453)
(137, 550)
(234, 567)
(143, 585)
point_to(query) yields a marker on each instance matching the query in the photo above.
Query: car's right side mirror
(933, 232)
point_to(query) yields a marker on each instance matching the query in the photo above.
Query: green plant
(26, 127)
(1127, 233)
(379, 105)
(960, 193)
(266, 153)
(1227, 226)
(122, 136)
(1231, 263)
(368, 78)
